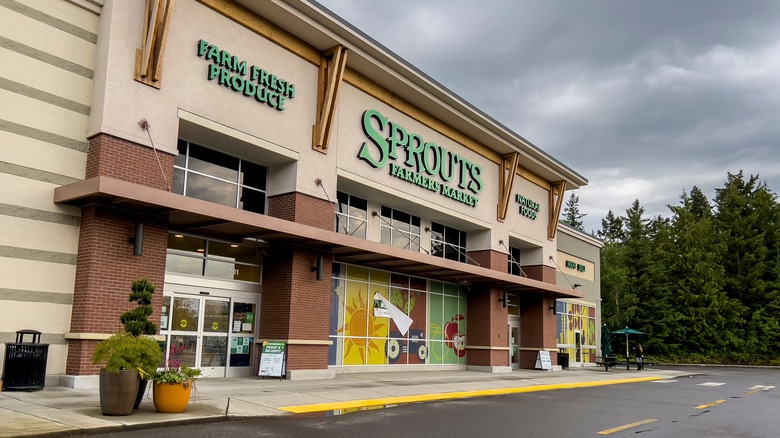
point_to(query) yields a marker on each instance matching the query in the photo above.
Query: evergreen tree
(571, 213)
(611, 228)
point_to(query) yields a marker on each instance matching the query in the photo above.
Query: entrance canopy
(228, 223)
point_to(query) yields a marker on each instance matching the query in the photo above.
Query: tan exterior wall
(47, 62)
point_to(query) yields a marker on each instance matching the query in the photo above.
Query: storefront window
(210, 258)
(351, 216)
(448, 242)
(213, 176)
(400, 229)
(514, 261)
(366, 330)
(577, 320)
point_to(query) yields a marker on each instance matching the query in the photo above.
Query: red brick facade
(495, 260)
(121, 159)
(295, 305)
(105, 265)
(538, 328)
(487, 327)
(302, 209)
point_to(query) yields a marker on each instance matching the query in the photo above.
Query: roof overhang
(223, 222)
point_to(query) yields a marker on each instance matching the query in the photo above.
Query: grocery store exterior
(279, 176)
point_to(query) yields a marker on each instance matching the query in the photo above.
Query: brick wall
(487, 327)
(127, 161)
(490, 259)
(295, 304)
(302, 209)
(538, 327)
(541, 272)
(105, 268)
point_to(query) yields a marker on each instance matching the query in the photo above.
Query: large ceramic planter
(118, 391)
(171, 397)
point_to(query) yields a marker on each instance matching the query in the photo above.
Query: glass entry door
(514, 344)
(198, 335)
(578, 348)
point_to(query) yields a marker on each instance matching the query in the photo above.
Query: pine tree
(571, 213)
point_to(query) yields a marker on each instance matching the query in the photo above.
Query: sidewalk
(59, 410)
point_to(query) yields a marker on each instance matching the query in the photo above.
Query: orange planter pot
(171, 397)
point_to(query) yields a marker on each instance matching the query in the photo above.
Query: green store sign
(425, 163)
(572, 265)
(528, 208)
(230, 71)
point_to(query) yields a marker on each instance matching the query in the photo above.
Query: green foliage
(124, 351)
(136, 321)
(182, 374)
(705, 283)
(571, 213)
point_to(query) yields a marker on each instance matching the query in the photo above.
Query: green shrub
(124, 351)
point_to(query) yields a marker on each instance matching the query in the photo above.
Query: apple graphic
(455, 340)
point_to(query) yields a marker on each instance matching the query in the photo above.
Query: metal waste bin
(24, 368)
(563, 360)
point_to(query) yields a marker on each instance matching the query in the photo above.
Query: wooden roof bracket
(555, 202)
(148, 59)
(332, 66)
(509, 163)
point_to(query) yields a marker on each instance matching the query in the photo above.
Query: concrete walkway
(59, 410)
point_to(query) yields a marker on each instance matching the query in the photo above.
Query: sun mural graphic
(360, 330)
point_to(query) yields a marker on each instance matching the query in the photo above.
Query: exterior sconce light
(138, 239)
(317, 269)
(504, 300)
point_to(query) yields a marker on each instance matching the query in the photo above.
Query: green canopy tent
(627, 331)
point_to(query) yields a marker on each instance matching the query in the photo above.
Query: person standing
(639, 356)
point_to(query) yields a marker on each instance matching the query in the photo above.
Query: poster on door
(272, 359)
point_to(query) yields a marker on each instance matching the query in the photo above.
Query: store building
(279, 176)
(578, 264)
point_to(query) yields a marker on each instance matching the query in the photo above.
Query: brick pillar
(487, 327)
(302, 209)
(296, 306)
(106, 266)
(538, 329)
(495, 260)
(540, 272)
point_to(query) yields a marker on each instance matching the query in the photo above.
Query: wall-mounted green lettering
(528, 208)
(426, 164)
(230, 71)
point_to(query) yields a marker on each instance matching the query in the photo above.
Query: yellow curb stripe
(627, 426)
(717, 402)
(319, 407)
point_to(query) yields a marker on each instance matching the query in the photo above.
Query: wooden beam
(331, 74)
(148, 58)
(506, 179)
(555, 202)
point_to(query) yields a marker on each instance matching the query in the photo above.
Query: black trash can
(24, 368)
(563, 360)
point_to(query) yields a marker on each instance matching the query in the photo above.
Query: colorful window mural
(384, 318)
(577, 322)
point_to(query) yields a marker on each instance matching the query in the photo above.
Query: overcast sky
(645, 99)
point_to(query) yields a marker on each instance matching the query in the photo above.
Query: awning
(223, 222)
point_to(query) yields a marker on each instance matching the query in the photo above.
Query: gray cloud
(644, 99)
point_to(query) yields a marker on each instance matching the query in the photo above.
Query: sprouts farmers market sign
(253, 82)
(426, 164)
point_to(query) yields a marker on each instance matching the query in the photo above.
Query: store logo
(572, 265)
(426, 164)
(528, 208)
(230, 71)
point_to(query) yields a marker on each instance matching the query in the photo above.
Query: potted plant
(128, 355)
(136, 321)
(172, 387)
(124, 357)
